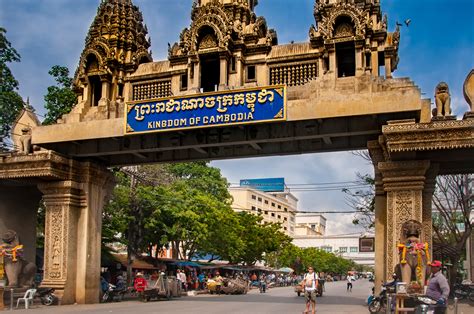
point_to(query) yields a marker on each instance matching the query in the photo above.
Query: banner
(265, 185)
(256, 105)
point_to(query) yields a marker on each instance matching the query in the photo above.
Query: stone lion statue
(443, 100)
(20, 273)
(414, 254)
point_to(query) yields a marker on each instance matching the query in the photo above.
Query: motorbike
(464, 290)
(377, 303)
(46, 296)
(113, 294)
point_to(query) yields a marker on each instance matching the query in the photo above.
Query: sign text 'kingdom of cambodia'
(208, 109)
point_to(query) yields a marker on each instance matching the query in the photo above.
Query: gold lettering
(264, 96)
(239, 99)
(160, 107)
(210, 102)
(182, 122)
(251, 98)
(170, 105)
(139, 116)
(150, 125)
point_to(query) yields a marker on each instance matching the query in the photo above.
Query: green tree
(10, 101)
(60, 97)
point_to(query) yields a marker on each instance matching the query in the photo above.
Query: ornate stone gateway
(336, 99)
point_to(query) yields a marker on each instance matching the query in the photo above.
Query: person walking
(139, 284)
(438, 287)
(310, 285)
(350, 279)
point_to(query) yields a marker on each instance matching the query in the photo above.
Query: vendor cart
(159, 289)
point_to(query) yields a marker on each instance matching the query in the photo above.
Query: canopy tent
(285, 270)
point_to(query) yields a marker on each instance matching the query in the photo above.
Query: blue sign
(265, 185)
(208, 109)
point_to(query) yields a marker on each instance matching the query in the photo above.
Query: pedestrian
(139, 284)
(181, 276)
(438, 287)
(350, 279)
(310, 286)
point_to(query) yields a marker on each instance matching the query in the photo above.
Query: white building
(272, 206)
(359, 248)
(309, 224)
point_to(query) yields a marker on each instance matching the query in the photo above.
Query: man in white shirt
(310, 285)
(350, 279)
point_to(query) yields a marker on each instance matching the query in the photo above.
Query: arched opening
(210, 63)
(92, 67)
(345, 51)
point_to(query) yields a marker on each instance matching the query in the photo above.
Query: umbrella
(286, 270)
(187, 263)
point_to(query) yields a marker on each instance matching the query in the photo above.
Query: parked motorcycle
(377, 303)
(464, 290)
(113, 294)
(46, 296)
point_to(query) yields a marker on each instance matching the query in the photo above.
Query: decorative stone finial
(442, 101)
(468, 90)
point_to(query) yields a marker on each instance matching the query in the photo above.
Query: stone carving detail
(25, 141)
(151, 89)
(293, 74)
(443, 100)
(229, 22)
(468, 91)
(116, 30)
(20, 273)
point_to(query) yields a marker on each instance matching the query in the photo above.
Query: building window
(327, 248)
(286, 209)
(285, 219)
(273, 204)
(343, 249)
(313, 227)
(273, 214)
(184, 81)
(266, 212)
(285, 228)
(233, 64)
(254, 197)
(266, 202)
(259, 199)
(251, 73)
(259, 210)
(254, 208)
(354, 249)
(279, 206)
(279, 216)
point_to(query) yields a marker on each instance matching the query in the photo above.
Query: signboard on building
(265, 185)
(237, 107)
(366, 244)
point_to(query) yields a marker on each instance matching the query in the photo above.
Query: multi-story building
(309, 224)
(359, 248)
(273, 206)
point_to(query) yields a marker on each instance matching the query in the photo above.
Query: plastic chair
(27, 298)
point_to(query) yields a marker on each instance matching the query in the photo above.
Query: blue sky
(437, 46)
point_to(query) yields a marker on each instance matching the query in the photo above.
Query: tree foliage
(301, 258)
(60, 98)
(185, 206)
(10, 101)
(363, 202)
(452, 224)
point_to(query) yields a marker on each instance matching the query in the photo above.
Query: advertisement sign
(265, 185)
(366, 244)
(265, 104)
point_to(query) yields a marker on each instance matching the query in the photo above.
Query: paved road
(336, 300)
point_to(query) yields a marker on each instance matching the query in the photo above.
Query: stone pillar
(375, 62)
(333, 63)
(377, 156)
(64, 201)
(359, 61)
(388, 67)
(104, 98)
(404, 182)
(427, 221)
(73, 234)
(223, 74)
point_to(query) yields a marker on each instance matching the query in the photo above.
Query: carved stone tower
(115, 46)
(223, 33)
(352, 37)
